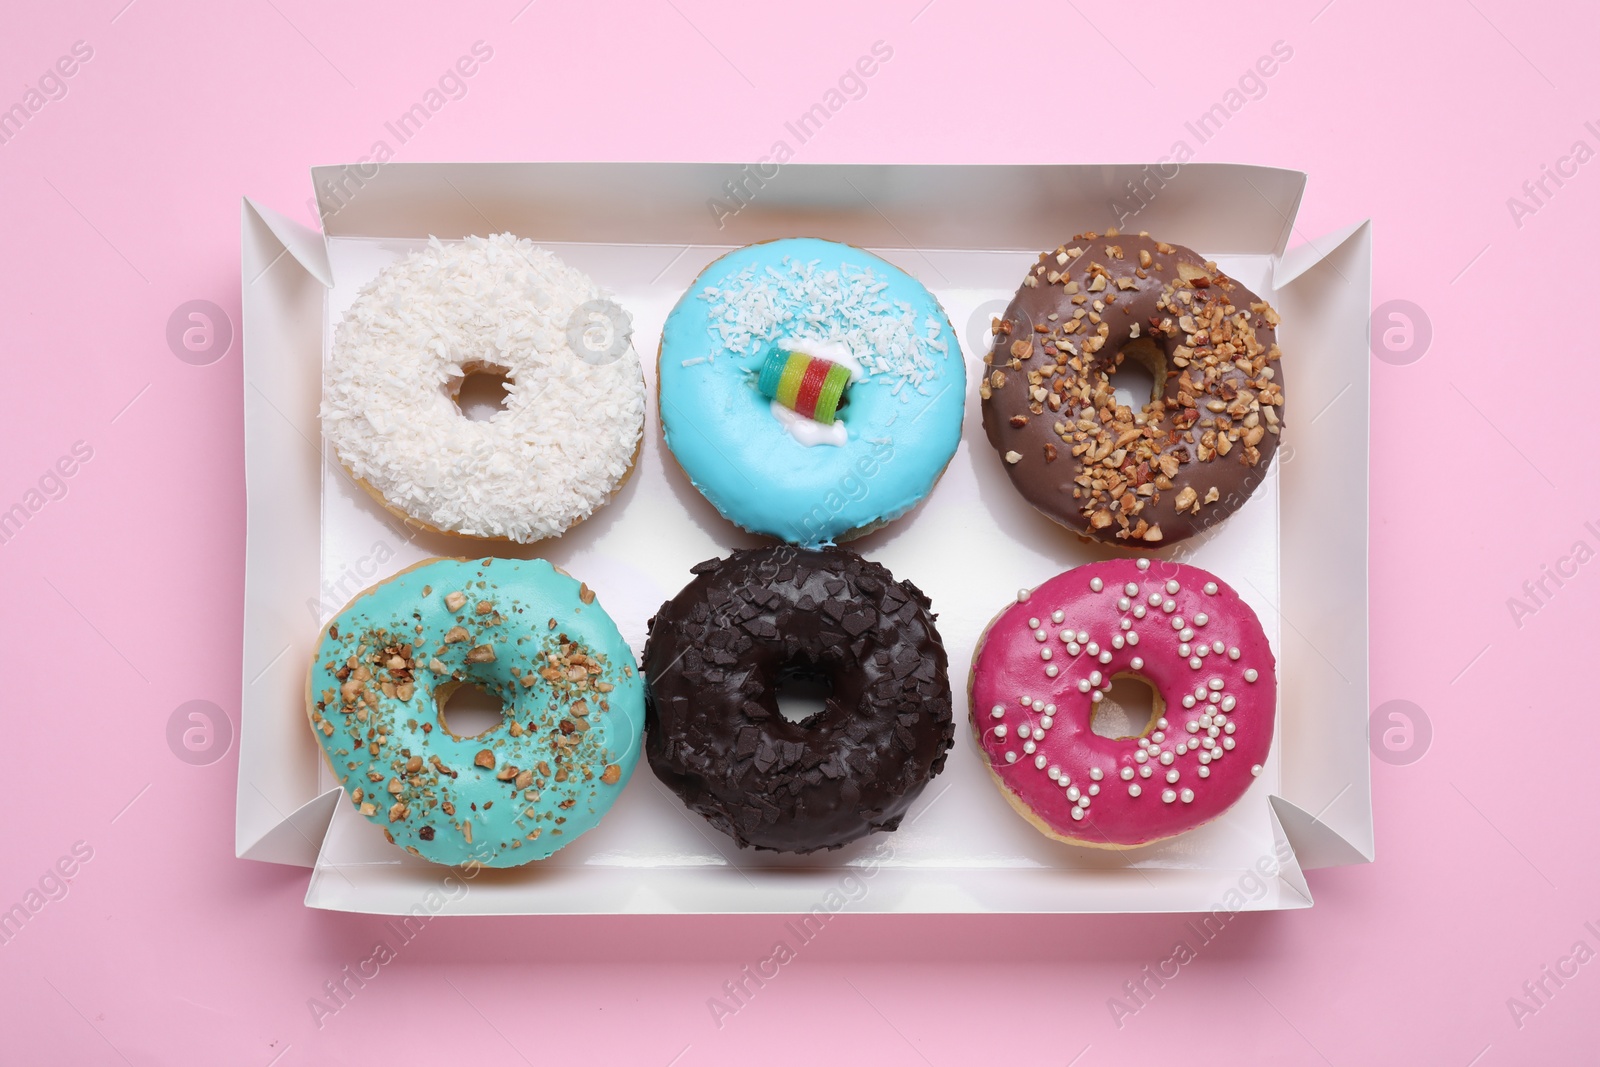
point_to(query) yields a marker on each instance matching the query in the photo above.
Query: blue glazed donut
(526, 633)
(764, 466)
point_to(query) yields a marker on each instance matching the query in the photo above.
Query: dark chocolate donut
(1194, 454)
(715, 657)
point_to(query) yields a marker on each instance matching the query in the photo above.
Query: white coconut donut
(574, 409)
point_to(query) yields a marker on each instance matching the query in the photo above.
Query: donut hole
(1140, 375)
(802, 694)
(482, 392)
(1128, 710)
(468, 710)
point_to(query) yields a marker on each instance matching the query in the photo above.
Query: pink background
(122, 599)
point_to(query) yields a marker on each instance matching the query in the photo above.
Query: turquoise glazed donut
(523, 631)
(761, 462)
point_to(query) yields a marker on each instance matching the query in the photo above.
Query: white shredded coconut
(570, 428)
(843, 306)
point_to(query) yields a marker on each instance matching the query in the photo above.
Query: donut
(1192, 455)
(880, 354)
(521, 630)
(573, 418)
(1045, 662)
(717, 654)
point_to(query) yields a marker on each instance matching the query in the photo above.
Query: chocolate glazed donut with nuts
(1190, 457)
(716, 656)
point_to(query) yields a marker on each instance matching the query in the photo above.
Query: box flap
(282, 299)
(1214, 206)
(1327, 767)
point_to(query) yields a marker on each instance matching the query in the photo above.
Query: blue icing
(565, 749)
(722, 431)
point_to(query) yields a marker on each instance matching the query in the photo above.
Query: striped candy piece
(808, 385)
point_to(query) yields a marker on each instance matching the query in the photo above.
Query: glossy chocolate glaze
(1157, 302)
(714, 734)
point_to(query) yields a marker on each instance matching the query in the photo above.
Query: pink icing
(1051, 713)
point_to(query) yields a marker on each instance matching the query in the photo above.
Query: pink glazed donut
(1045, 662)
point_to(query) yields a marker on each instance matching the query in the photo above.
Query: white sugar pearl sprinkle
(1073, 793)
(1166, 758)
(1051, 671)
(1141, 756)
(1029, 747)
(1024, 730)
(1097, 696)
(1094, 678)
(1077, 814)
(1073, 648)
(1011, 757)
(1168, 796)
(1132, 589)
(1057, 615)
(1228, 703)
(1094, 791)
(998, 711)
(1169, 606)
(1105, 657)
(1233, 653)
(1045, 653)
(1133, 638)
(1095, 773)
(1124, 604)
(1187, 795)
(1143, 564)
(1215, 683)
(1177, 623)
(1186, 634)
(1039, 761)
(1195, 662)
(1172, 585)
(1216, 646)
(1138, 611)
(1183, 650)
(1155, 600)
(1251, 675)
(1096, 584)
(1033, 624)
(1172, 776)
(1022, 595)
(1083, 685)
(1083, 637)
(1134, 790)
(1145, 771)
(1000, 731)
(1205, 772)
(1127, 774)
(1054, 773)
(1201, 618)
(1117, 641)
(1188, 700)
(1211, 588)
(1137, 663)
(1092, 648)
(1045, 721)
(1040, 635)
(1255, 769)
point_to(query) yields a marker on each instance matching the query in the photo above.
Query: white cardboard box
(1297, 551)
